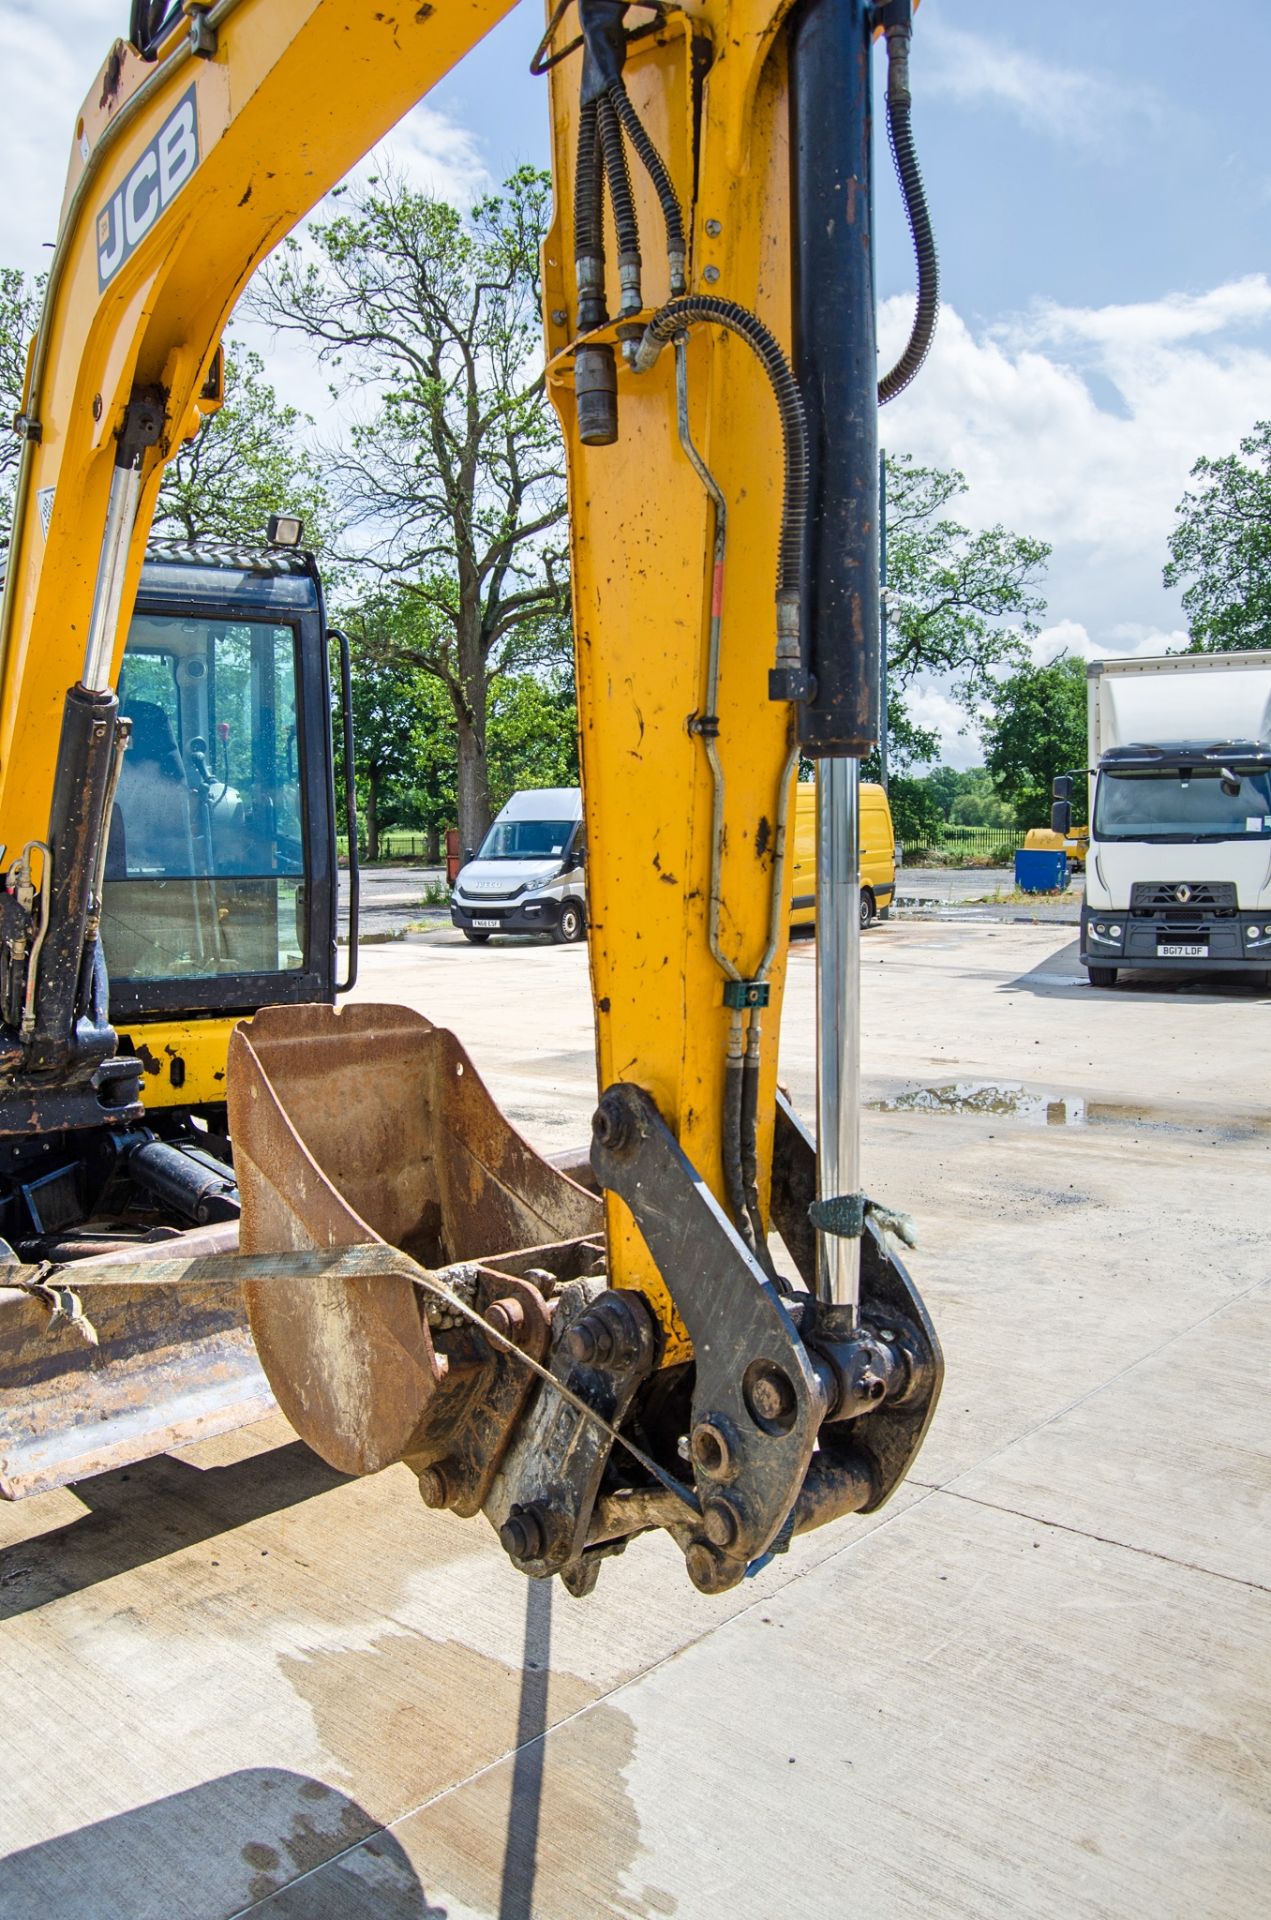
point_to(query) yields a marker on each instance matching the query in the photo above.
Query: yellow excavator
(711, 1332)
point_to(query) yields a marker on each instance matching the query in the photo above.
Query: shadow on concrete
(248, 1842)
(143, 1513)
(520, 1850)
(1060, 976)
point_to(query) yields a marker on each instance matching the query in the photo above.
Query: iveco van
(527, 875)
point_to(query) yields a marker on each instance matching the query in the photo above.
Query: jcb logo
(155, 180)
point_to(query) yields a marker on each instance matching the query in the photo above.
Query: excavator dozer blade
(363, 1125)
(150, 1368)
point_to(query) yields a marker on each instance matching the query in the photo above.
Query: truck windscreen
(1192, 805)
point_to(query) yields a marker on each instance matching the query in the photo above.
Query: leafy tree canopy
(19, 313)
(452, 482)
(959, 603)
(1037, 730)
(248, 460)
(1220, 550)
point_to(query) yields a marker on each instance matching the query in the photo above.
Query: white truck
(1178, 873)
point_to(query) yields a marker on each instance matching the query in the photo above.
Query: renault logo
(1182, 895)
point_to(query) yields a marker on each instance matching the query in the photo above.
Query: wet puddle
(1039, 1108)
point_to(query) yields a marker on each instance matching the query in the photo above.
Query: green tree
(977, 804)
(915, 811)
(958, 603)
(248, 460)
(1037, 729)
(453, 480)
(1221, 549)
(19, 313)
(403, 751)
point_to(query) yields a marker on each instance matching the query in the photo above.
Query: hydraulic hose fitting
(644, 353)
(789, 679)
(596, 395)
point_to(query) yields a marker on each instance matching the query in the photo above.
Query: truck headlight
(1114, 932)
(1253, 933)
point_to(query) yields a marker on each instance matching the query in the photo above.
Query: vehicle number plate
(487, 923)
(1182, 949)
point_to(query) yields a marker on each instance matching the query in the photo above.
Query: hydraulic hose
(589, 233)
(900, 138)
(624, 213)
(701, 308)
(652, 162)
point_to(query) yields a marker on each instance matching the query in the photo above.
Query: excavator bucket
(365, 1126)
(147, 1367)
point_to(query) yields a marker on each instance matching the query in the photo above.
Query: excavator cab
(218, 899)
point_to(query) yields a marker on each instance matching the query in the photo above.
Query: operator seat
(154, 800)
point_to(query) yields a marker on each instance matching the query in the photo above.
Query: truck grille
(1189, 896)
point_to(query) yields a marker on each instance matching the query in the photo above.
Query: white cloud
(1070, 104)
(1080, 426)
(1127, 639)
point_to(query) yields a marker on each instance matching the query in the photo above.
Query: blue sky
(1100, 180)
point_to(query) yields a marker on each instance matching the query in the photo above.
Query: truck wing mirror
(1061, 815)
(1061, 788)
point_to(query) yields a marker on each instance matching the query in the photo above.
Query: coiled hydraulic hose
(901, 140)
(589, 232)
(696, 309)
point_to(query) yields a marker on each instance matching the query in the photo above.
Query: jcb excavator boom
(421, 1286)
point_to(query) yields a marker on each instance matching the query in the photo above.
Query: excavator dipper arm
(579, 1365)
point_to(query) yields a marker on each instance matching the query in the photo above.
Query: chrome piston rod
(838, 1005)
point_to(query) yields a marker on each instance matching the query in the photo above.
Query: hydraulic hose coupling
(596, 396)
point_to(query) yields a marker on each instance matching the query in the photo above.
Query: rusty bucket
(362, 1126)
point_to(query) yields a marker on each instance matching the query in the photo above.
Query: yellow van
(878, 854)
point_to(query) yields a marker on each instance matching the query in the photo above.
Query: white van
(527, 875)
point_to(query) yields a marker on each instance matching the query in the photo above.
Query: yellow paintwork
(877, 849)
(184, 1060)
(297, 92)
(1075, 845)
(641, 542)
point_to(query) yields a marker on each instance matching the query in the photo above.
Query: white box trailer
(1179, 868)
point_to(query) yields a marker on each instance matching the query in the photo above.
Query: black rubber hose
(589, 221)
(148, 21)
(731, 1147)
(901, 139)
(588, 228)
(619, 178)
(750, 1162)
(652, 162)
(696, 308)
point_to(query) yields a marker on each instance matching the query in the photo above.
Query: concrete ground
(1035, 1685)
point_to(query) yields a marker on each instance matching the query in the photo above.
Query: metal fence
(396, 843)
(978, 843)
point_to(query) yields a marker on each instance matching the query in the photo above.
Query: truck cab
(1179, 868)
(527, 874)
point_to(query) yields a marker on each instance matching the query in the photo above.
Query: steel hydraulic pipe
(838, 998)
(108, 595)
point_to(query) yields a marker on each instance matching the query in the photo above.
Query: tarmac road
(1034, 1685)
